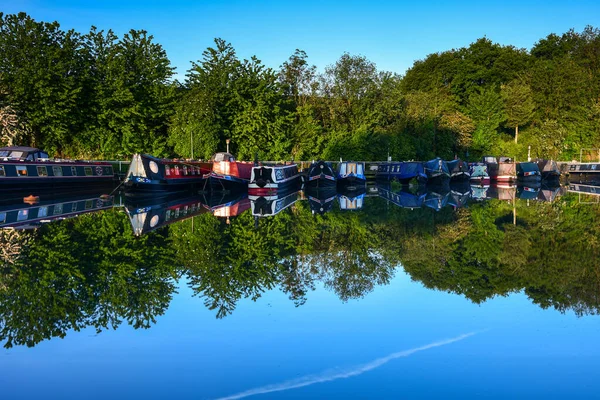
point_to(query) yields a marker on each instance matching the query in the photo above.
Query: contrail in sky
(332, 375)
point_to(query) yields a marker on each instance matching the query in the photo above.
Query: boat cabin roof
(223, 157)
(22, 153)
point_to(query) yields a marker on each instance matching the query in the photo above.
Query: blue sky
(393, 34)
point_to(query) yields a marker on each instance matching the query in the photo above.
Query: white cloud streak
(331, 375)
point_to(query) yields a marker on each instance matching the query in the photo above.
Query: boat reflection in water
(352, 199)
(320, 200)
(263, 206)
(32, 212)
(154, 213)
(226, 204)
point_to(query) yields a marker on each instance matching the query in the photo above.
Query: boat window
(2, 172)
(185, 170)
(42, 212)
(57, 171)
(176, 170)
(74, 207)
(21, 170)
(74, 171)
(89, 204)
(44, 155)
(167, 170)
(29, 157)
(2, 218)
(16, 154)
(42, 171)
(88, 171)
(23, 214)
(58, 209)
(4, 153)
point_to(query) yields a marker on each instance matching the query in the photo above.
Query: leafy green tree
(518, 105)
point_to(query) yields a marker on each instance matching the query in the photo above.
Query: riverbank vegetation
(98, 95)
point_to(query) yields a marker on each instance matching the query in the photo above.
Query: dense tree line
(98, 95)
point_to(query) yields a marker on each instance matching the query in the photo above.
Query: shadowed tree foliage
(88, 271)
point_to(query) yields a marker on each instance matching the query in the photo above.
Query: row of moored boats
(149, 176)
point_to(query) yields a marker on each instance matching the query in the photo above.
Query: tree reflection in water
(92, 270)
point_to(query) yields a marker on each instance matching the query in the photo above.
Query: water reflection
(123, 263)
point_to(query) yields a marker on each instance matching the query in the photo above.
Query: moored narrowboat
(268, 180)
(152, 176)
(478, 174)
(321, 175)
(459, 170)
(403, 172)
(28, 167)
(228, 174)
(351, 175)
(528, 172)
(436, 170)
(549, 169)
(502, 170)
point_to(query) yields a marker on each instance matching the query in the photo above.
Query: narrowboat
(528, 172)
(501, 169)
(268, 180)
(28, 216)
(478, 173)
(321, 175)
(263, 206)
(436, 170)
(152, 176)
(228, 174)
(403, 172)
(584, 173)
(351, 175)
(549, 169)
(158, 212)
(29, 167)
(320, 200)
(459, 170)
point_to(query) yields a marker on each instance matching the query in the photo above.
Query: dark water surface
(491, 295)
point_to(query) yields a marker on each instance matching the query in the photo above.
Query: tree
(518, 104)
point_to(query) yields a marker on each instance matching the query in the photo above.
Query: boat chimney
(256, 158)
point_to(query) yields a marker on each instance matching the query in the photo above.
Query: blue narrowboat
(351, 174)
(28, 167)
(402, 172)
(459, 170)
(528, 172)
(321, 175)
(436, 170)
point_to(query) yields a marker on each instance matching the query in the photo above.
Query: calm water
(449, 296)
